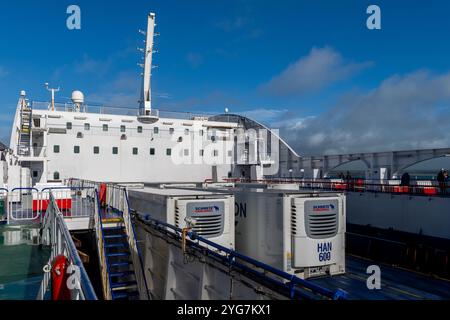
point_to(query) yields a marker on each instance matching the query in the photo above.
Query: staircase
(121, 275)
(25, 130)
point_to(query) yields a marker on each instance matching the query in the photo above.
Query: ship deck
(21, 268)
(396, 283)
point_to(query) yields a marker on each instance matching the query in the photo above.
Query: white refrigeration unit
(210, 214)
(302, 233)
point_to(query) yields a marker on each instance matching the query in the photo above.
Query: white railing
(56, 234)
(30, 204)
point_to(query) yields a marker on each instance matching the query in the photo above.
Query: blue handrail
(293, 281)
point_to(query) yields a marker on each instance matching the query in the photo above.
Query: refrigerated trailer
(302, 233)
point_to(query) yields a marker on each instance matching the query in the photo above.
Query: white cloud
(321, 68)
(404, 112)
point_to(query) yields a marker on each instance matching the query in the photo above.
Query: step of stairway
(122, 273)
(124, 295)
(123, 285)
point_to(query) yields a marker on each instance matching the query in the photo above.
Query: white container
(210, 214)
(302, 233)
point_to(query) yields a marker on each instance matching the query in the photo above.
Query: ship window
(123, 128)
(139, 129)
(96, 150)
(180, 139)
(87, 126)
(135, 151)
(35, 174)
(69, 125)
(202, 152)
(171, 130)
(79, 135)
(76, 149)
(105, 127)
(213, 138)
(123, 137)
(169, 152)
(115, 150)
(216, 153)
(186, 152)
(186, 132)
(56, 149)
(56, 175)
(152, 151)
(155, 130)
(201, 132)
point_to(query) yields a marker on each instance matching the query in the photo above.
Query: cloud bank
(319, 69)
(404, 112)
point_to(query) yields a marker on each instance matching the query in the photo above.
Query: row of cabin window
(135, 151)
(123, 128)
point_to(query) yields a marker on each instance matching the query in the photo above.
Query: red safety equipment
(102, 194)
(60, 291)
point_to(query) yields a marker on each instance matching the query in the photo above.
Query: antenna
(146, 98)
(52, 90)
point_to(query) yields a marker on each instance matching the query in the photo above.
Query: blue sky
(310, 68)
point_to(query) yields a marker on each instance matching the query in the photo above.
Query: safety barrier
(56, 234)
(30, 204)
(278, 280)
(416, 187)
(22, 205)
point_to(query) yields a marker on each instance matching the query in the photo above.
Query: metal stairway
(121, 274)
(25, 130)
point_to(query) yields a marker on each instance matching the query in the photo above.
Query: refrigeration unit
(209, 214)
(302, 233)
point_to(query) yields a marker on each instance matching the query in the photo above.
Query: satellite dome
(77, 97)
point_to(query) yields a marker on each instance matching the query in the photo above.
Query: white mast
(146, 95)
(52, 90)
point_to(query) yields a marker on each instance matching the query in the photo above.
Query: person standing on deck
(446, 182)
(441, 180)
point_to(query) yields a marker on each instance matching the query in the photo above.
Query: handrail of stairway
(53, 230)
(101, 249)
(230, 259)
(140, 272)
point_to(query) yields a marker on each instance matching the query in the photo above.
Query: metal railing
(30, 204)
(278, 280)
(419, 187)
(56, 234)
(104, 270)
(23, 205)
